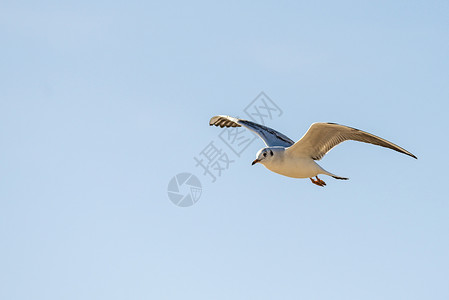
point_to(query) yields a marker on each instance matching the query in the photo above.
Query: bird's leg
(314, 181)
(318, 181)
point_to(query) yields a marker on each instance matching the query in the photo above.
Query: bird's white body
(282, 162)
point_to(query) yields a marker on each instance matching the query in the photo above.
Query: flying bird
(297, 160)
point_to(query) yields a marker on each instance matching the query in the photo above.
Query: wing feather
(322, 137)
(270, 136)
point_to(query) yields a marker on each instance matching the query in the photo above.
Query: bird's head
(264, 155)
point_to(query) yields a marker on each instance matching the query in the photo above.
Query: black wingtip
(341, 178)
(410, 154)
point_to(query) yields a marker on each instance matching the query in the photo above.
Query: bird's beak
(255, 162)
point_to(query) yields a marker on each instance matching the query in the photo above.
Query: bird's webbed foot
(318, 181)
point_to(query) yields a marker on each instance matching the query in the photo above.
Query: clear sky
(103, 102)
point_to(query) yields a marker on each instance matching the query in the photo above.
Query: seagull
(297, 160)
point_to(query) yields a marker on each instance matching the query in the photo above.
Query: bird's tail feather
(333, 175)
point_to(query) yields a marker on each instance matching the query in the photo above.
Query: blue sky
(101, 104)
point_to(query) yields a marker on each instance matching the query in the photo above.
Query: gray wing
(322, 137)
(270, 136)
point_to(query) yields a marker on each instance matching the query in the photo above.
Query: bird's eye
(271, 153)
(265, 154)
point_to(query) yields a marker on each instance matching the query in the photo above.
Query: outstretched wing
(270, 136)
(322, 137)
